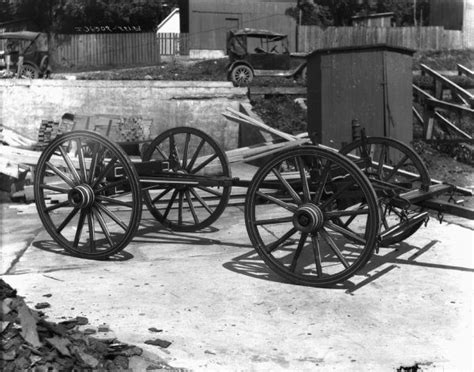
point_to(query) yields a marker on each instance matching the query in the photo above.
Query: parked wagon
(314, 215)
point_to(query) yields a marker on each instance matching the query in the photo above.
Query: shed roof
(372, 47)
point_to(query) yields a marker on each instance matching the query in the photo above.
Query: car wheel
(241, 75)
(29, 72)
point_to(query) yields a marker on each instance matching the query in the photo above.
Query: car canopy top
(252, 32)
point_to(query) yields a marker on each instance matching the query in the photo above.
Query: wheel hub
(81, 196)
(308, 218)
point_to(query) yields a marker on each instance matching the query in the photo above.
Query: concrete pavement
(223, 310)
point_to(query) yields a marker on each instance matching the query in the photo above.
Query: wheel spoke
(103, 226)
(210, 191)
(396, 168)
(281, 203)
(203, 164)
(346, 213)
(110, 185)
(62, 175)
(162, 154)
(334, 247)
(304, 180)
(195, 155)
(80, 225)
(191, 207)
(185, 151)
(57, 206)
(297, 253)
(170, 203)
(90, 221)
(174, 150)
(54, 188)
(317, 255)
(95, 160)
(272, 221)
(322, 183)
(112, 215)
(82, 160)
(201, 200)
(114, 201)
(70, 165)
(271, 247)
(347, 233)
(104, 172)
(67, 220)
(381, 161)
(288, 187)
(180, 207)
(163, 193)
(334, 196)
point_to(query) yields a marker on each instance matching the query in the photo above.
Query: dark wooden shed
(371, 84)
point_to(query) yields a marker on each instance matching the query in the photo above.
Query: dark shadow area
(51, 246)
(252, 265)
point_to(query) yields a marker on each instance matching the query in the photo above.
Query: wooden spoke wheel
(293, 212)
(87, 194)
(393, 168)
(188, 206)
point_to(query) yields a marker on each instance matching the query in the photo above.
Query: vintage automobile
(254, 52)
(32, 46)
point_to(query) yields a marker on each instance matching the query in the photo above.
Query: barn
(207, 21)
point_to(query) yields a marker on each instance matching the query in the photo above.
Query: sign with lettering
(106, 29)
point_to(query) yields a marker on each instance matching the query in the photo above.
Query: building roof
(168, 17)
(21, 35)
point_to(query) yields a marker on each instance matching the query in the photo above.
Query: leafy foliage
(64, 15)
(340, 12)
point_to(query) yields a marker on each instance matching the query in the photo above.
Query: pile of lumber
(283, 141)
(14, 138)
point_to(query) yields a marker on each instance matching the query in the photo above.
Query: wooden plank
(441, 80)
(452, 126)
(464, 70)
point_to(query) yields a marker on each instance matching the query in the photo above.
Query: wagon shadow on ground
(388, 259)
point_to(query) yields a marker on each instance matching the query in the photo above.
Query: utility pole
(414, 13)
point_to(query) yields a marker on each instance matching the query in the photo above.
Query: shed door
(398, 97)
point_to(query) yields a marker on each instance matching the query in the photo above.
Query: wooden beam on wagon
(452, 126)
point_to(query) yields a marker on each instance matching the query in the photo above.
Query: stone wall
(25, 103)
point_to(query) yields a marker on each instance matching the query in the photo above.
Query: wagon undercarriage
(315, 216)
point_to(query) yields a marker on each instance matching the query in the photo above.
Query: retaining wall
(24, 103)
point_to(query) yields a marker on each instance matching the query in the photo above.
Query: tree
(64, 15)
(307, 12)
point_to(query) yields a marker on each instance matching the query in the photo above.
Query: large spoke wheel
(190, 153)
(393, 168)
(241, 75)
(293, 212)
(87, 194)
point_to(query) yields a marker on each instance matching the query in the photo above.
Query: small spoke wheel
(29, 72)
(293, 210)
(241, 75)
(188, 206)
(87, 194)
(393, 168)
